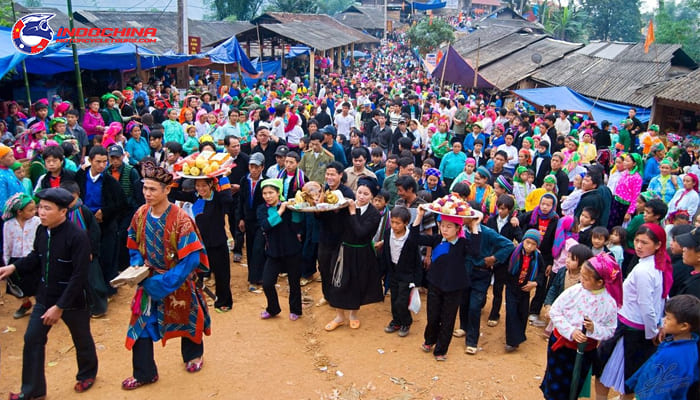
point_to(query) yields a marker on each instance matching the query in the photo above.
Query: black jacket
(508, 231)
(240, 170)
(544, 170)
(409, 268)
(481, 161)
(547, 239)
(280, 240)
(269, 152)
(593, 199)
(210, 220)
(395, 139)
(331, 222)
(562, 184)
(45, 180)
(64, 279)
(114, 202)
(246, 211)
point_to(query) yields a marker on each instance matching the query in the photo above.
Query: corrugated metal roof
(333, 26)
(317, 36)
(684, 89)
(611, 51)
(362, 17)
(501, 48)
(511, 69)
(486, 35)
(487, 2)
(208, 31)
(618, 72)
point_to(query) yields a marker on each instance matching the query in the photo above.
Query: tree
(6, 14)
(333, 7)
(238, 10)
(614, 19)
(565, 23)
(294, 6)
(428, 37)
(677, 23)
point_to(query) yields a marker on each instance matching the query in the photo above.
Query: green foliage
(565, 23)
(234, 10)
(429, 37)
(678, 23)
(6, 14)
(332, 7)
(293, 6)
(614, 19)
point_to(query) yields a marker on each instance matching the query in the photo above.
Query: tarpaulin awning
(567, 99)
(10, 57)
(458, 71)
(230, 52)
(430, 5)
(296, 51)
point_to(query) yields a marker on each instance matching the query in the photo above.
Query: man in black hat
(687, 280)
(62, 254)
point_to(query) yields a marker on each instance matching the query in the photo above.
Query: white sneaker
(533, 317)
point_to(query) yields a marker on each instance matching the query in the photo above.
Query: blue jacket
(492, 244)
(338, 153)
(668, 373)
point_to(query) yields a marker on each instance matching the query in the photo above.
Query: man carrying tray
(168, 303)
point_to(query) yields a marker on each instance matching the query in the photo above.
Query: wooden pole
(312, 67)
(76, 63)
(24, 65)
(444, 65)
(260, 50)
(476, 71)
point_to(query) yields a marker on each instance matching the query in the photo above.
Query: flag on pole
(461, 17)
(650, 36)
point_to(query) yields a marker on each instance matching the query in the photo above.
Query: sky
(196, 8)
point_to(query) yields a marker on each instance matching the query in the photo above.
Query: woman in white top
(640, 317)
(616, 173)
(687, 198)
(279, 123)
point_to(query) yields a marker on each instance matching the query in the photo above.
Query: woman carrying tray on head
(355, 278)
(211, 201)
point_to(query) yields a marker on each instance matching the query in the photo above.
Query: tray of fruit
(312, 198)
(452, 205)
(204, 165)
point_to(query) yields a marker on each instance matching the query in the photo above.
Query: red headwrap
(695, 180)
(662, 261)
(609, 271)
(291, 122)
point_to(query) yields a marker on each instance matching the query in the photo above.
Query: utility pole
(182, 46)
(386, 19)
(76, 63)
(24, 65)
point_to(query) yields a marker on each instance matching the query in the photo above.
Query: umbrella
(573, 392)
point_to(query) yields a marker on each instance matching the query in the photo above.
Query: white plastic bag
(414, 300)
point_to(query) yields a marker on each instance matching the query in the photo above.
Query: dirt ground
(248, 358)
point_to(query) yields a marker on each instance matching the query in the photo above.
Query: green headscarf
(275, 183)
(108, 96)
(638, 163)
(519, 171)
(550, 179)
(14, 204)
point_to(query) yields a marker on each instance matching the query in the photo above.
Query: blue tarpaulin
(10, 57)
(296, 51)
(430, 5)
(268, 68)
(567, 99)
(230, 52)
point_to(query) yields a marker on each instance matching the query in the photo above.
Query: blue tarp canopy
(458, 71)
(10, 57)
(567, 99)
(118, 56)
(430, 5)
(296, 51)
(231, 52)
(268, 68)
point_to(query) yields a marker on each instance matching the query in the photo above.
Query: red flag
(430, 21)
(650, 36)
(461, 17)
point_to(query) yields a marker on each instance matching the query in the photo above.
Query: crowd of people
(589, 226)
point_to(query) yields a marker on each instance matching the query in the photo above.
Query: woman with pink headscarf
(640, 317)
(583, 313)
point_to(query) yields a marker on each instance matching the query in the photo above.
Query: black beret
(59, 196)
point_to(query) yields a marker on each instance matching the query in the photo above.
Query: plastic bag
(414, 301)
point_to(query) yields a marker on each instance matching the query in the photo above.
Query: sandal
(426, 348)
(131, 383)
(354, 323)
(222, 309)
(492, 322)
(333, 325)
(266, 315)
(84, 385)
(441, 357)
(21, 396)
(194, 366)
(294, 317)
(470, 350)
